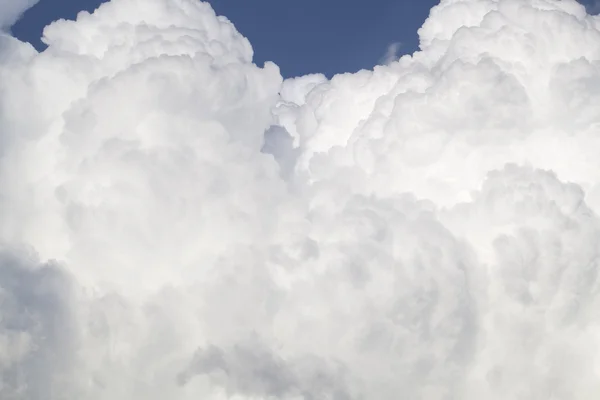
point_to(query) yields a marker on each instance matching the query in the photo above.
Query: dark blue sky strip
(327, 36)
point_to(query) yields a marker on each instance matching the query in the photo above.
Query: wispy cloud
(391, 54)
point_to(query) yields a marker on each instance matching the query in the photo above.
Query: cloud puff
(38, 333)
(11, 11)
(197, 227)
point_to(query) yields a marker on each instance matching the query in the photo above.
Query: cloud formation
(11, 11)
(179, 223)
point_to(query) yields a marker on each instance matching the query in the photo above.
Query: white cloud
(391, 54)
(11, 11)
(202, 229)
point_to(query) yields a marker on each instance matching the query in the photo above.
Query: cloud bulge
(180, 223)
(11, 11)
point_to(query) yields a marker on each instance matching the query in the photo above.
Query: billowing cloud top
(179, 223)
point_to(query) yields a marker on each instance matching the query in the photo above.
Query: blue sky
(327, 36)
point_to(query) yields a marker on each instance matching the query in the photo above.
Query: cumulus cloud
(180, 223)
(11, 11)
